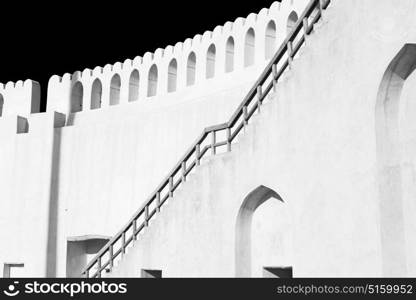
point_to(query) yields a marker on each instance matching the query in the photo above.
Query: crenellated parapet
(19, 98)
(236, 47)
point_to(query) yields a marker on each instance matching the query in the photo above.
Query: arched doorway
(244, 232)
(134, 84)
(210, 67)
(229, 55)
(152, 81)
(77, 94)
(249, 47)
(270, 40)
(172, 75)
(115, 86)
(191, 69)
(96, 94)
(395, 141)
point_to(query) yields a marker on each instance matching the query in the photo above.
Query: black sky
(40, 41)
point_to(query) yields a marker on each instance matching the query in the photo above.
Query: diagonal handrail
(208, 139)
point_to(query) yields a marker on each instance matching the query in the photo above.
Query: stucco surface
(314, 143)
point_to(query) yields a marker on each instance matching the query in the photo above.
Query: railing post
(99, 267)
(170, 187)
(111, 256)
(123, 243)
(183, 165)
(274, 72)
(134, 229)
(146, 215)
(228, 139)
(197, 154)
(245, 116)
(320, 9)
(158, 201)
(259, 95)
(213, 142)
(289, 53)
(305, 28)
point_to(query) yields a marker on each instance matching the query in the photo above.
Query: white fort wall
(19, 98)
(146, 137)
(115, 85)
(86, 176)
(24, 175)
(347, 209)
(26, 161)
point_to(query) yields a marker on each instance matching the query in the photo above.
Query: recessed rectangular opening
(277, 272)
(8, 267)
(145, 273)
(22, 125)
(80, 250)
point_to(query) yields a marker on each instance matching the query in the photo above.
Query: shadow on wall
(243, 227)
(1, 104)
(392, 223)
(51, 253)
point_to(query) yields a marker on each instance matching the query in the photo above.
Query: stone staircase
(213, 141)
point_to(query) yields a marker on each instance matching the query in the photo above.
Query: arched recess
(291, 21)
(229, 55)
(96, 94)
(115, 89)
(270, 40)
(389, 148)
(77, 94)
(243, 227)
(249, 48)
(134, 83)
(152, 81)
(210, 66)
(1, 104)
(191, 69)
(172, 75)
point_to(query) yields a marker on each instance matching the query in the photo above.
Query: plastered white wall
(19, 98)
(315, 145)
(74, 174)
(25, 173)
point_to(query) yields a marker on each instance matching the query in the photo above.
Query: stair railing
(211, 139)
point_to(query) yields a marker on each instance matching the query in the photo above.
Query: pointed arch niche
(396, 161)
(257, 231)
